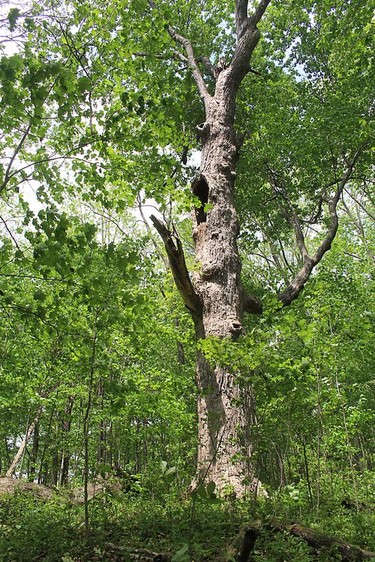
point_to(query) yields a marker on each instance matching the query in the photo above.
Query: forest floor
(10, 485)
(76, 494)
(38, 523)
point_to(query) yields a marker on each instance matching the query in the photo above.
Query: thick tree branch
(241, 16)
(240, 64)
(248, 36)
(332, 206)
(259, 12)
(177, 262)
(201, 85)
(309, 262)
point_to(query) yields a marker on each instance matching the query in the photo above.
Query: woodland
(187, 304)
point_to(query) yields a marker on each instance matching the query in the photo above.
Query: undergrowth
(189, 529)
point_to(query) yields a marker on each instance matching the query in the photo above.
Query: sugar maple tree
(121, 91)
(214, 295)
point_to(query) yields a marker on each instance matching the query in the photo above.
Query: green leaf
(182, 555)
(171, 471)
(13, 16)
(211, 486)
(84, 84)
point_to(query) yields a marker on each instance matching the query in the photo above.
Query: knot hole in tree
(200, 189)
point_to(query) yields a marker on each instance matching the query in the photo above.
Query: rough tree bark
(214, 294)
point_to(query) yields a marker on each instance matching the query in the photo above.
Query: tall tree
(134, 78)
(214, 295)
(216, 298)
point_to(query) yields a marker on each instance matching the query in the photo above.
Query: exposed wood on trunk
(180, 273)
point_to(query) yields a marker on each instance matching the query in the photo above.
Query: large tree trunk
(224, 450)
(225, 415)
(214, 294)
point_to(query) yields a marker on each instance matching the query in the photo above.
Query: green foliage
(182, 555)
(97, 110)
(33, 528)
(273, 548)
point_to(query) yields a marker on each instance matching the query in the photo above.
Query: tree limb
(309, 262)
(177, 262)
(360, 204)
(8, 173)
(241, 16)
(208, 66)
(202, 88)
(248, 36)
(10, 234)
(259, 12)
(240, 64)
(291, 215)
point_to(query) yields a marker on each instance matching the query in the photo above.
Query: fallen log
(317, 541)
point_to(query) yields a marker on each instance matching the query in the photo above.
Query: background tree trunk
(17, 458)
